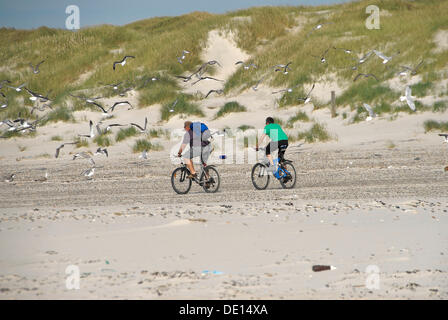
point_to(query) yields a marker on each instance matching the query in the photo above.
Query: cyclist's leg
(283, 145)
(271, 147)
(205, 154)
(192, 153)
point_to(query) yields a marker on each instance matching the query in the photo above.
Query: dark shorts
(281, 145)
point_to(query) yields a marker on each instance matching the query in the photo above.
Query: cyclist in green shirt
(279, 140)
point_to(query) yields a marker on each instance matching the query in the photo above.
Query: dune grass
(80, 142)
(82, 61)
(59, 114)
(317, 133)
(230, 107)
(103, 140)
(299, 116)
(245, 127)
(143, 144)
(56, 138)
(125, 133)
(183, 106)
(433, 125)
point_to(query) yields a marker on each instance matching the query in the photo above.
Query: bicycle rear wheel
(181, 184)
(260, 176)
(288, 180)
(210, 185)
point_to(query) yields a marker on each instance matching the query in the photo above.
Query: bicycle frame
(186, 172)
(277, 162)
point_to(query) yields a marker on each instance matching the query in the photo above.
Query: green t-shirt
(275, 132)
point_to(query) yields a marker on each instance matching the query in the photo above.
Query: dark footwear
(192, 176)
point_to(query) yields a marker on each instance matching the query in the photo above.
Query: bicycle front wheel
(260, 176)
(210, 179)
(288, 180)
(181, 184)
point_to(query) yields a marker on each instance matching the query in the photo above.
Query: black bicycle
(208, 179)
(285, 174)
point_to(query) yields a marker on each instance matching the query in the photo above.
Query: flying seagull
(152, 79)
(348, 51)
(213, 62)
(308, 97)
(385, 58)
(123, 93)
(173, 105)
(370, 111)
(183, 55)
(36, 68)
(362, 60)
(445, 136)
(102, 151)
(408, 98)
(255, 87)
(58, 149)
(206, 78)
(19, 88)
(92, 132)
(139, 127)
(413, 70)
(322, 57)
(84, 155)
(123, 61)
(114, 85)
(318, 27)
(143, 155)
(219, 91)
(247, 66)
(3, 105)
(119, 103)
(10, 178)
(185, 78)
(88, 173)
(365, 75)
(289, 90)
(284, 67)
(91, 101)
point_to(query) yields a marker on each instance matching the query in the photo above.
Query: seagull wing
(99, 106)
(312, 88)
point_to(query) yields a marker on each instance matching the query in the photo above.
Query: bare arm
(263, 136)
(181, 149)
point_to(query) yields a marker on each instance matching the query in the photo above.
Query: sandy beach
(132, 237)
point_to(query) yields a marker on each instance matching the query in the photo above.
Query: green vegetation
(245, 127)
(421, 89)
(182, 106)
(126, 133)
(156, 133)
(58, 114)
(440, 106)
(81, 142)
(79, 61)
(102, 140)
(299, 116)
(432, 125)
(56, 138)
(230, 107)
(278, 121)
(318, 132)
(143, 144)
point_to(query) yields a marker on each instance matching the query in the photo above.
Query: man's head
(187, 125)
(269, 120)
